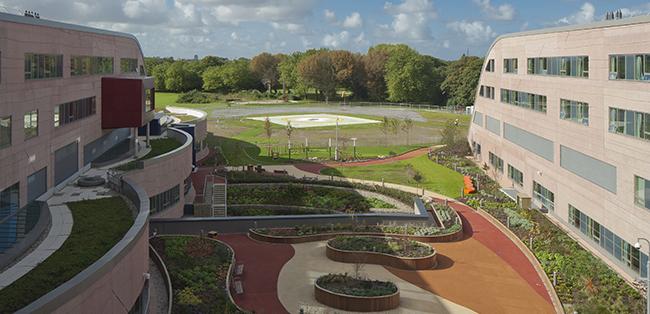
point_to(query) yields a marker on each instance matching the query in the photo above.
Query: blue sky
(236, 28)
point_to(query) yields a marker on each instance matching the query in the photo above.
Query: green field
(434, 177)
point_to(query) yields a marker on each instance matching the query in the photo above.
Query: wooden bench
(281, 172)
(239, 269)
(239, 288)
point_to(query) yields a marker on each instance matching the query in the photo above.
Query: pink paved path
(262, 265)
(316, 167)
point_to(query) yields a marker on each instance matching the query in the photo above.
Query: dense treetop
(387, 72)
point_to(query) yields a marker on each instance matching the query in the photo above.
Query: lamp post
(354, 148)
(637, 245)
(336, 141)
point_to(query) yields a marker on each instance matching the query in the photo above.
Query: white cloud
(361, 40)
(635, 11)
(289, 27)
(474, 32)
(410, 19)
(234, 35)
(504, 12)
(336, 40)
(446, 44)
(330, 16)
(353, 21)
(585, 15)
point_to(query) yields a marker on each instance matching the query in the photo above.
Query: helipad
(315, 120)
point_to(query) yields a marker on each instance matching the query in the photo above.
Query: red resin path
(480, 229)
(262, 265)
(316, 168)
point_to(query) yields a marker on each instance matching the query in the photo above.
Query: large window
(574, 111)
(524, 99)
(88, 65)
(629, 67)
(496, 162)
(128, 65)
(9, 200)
(164, 200)
(486, 91)
(510, 65)
(489, 67)
(642, 192)
(74, 110)
(544, 196)
(41, 66)
(30, 124)
(607, 240)
(5, 132)
(628, 122)
(559, 66)
(515, 175)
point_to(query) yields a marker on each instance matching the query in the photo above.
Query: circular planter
(86, 181)
(450, 237)
(356, 303)
(365, 257)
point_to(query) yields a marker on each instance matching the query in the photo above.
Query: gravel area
(390, 112)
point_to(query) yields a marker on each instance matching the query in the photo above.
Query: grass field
(244, 141)
(434, 177)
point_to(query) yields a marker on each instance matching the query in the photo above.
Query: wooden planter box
(407, 263)
(356, 303)
(450, 237)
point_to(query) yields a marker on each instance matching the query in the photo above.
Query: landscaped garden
(410, 230)
(159, 146)
(584, 283)
(262, 211)
(344, 284)
(98, 225)
(384, 245)
(318, 197)
(418, 172)
(199, 269)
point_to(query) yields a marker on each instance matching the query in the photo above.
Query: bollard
(508, 222)
(554, 278)
(530, 243)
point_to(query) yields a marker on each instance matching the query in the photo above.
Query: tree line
(387, 72)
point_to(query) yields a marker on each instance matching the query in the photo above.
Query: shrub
(392, 246)
(344, 284)
(196, 97)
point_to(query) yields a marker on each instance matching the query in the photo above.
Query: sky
(244, 28)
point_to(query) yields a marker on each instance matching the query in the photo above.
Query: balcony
(127, 102)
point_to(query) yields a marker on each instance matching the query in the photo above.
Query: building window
(42, 66)
(524, 99)
(9, 200)
(128, 65)
(628, 122)
(574, 111)
(74, 110)
(515, 175)
(88, 65)
(510, 65)
(642, 192)
(5, 132)
(574, 216)
(496, 162)
(629, 67)
(544, 196)
(31, 124)
(489, 67)
(486, 91)
(577, 66)
(164, 200)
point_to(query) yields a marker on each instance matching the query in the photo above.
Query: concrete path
(60, 229)
(296, 284)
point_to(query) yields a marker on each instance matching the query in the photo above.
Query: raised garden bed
(323, 197)
(394, 252)
(275, 210)
(346, 293)
(198, 268)
(302, 234)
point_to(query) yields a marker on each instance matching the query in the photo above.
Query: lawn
(98, 226)
(162, 146)
(433, 177)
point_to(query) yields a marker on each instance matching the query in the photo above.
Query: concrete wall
(20, 35)
(614, 210)
(163, 172)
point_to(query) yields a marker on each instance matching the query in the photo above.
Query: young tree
(407, 126)
(265, 67)
(289, 131)
(317, 71)
(394, 126)
(450, 134)
(269, 132)
(384, 127)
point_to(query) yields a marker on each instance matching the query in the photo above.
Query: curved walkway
(262, 265)
(296, 284)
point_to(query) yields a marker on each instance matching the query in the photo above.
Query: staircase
(215, 194)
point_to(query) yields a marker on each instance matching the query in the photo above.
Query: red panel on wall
(123, 102)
